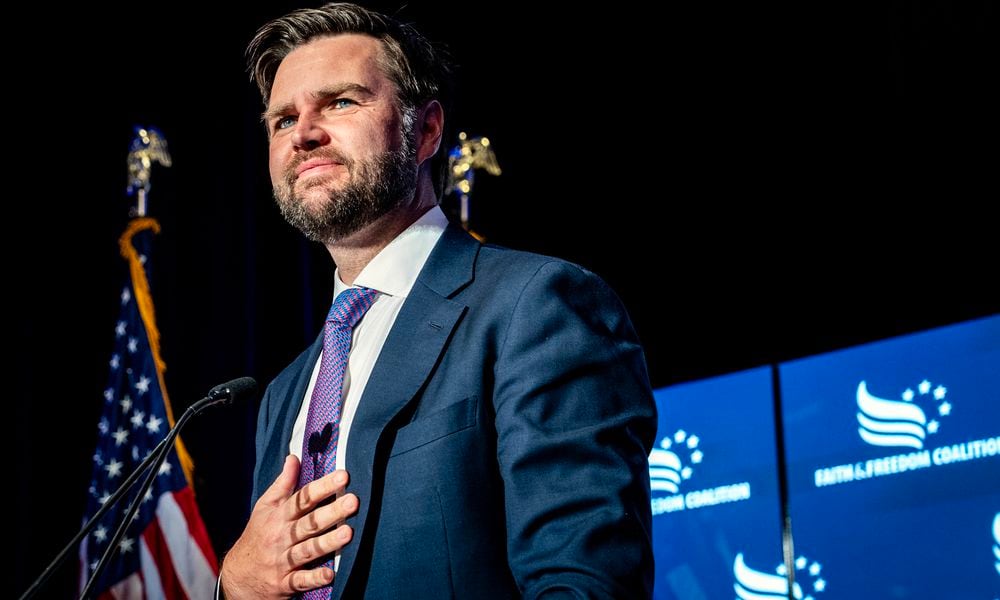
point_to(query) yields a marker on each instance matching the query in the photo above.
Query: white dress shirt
(392, 273)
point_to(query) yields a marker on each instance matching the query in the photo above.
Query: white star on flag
(103, 499)
(120, 436)
(924, 387)
(665, 443)
(680, 436)
(93, 566)
(165, 468)
(133, 345)
(814, 569)
(120, 329)
(686, 472)
(801, 562)
(126, 295)
(696, 456)
(693, 441)
(142, 385)
(137, 418)
(932, 427)
(98, 459)
(819, 585)
(109, 395)
(148, 496)
(781, 570)
(114, 468)
(939, 392)
(114, 362)
(103, 426)
(944, 408)
(126, 403)
(100, 533)
(908, 395)
(126, 544)
(154, 424)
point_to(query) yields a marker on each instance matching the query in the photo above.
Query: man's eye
(284, 122)
(342, 103)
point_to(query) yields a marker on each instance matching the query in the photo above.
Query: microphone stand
(108, 504)
(224, 393)
(214, 397)
(133, 508)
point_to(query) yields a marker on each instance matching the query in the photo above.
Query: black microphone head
(231, 390)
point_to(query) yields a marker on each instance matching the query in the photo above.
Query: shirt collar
(394, 269)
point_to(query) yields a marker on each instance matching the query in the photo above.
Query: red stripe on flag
(157, 544)
(185, 500)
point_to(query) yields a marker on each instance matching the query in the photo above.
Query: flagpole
(136, 383)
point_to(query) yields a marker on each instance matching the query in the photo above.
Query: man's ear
(429, 130)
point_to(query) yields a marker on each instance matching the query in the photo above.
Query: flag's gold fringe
(144, 300)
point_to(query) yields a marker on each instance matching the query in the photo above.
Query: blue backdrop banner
(894, 465)
(716, 515)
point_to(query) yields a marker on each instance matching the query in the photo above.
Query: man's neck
(352, 253)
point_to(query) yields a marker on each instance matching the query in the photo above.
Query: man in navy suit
(496, 412)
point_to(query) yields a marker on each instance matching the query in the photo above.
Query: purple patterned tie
(319, 444)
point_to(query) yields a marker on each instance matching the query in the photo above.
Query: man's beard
(375, 187)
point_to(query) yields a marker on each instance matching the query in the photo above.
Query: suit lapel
(414, 345)
(284, 413)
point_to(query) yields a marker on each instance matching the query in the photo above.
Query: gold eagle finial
(147, 147)
(463, 160)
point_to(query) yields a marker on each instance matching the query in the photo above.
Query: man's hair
(420, 70)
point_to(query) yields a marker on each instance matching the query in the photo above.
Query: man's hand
(288, 530)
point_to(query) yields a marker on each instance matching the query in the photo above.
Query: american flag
(166, 552)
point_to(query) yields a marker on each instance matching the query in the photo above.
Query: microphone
(224, 393)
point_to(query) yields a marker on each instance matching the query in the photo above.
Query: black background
(758, 184)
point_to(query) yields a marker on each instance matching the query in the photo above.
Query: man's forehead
(337, 49)
(352, 58)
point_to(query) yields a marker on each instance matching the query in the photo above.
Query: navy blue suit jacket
(500, 447)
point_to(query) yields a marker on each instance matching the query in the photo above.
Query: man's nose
(308, 135)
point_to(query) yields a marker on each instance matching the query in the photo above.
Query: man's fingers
(284, 483)
(312, 494)
(309, 579)
(325, 517)
(322, 545)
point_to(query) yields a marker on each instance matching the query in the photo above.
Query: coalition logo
(996, 542)
(761, 585)
(671, 465)
(911, 422)
(666, 469)
(883, 422)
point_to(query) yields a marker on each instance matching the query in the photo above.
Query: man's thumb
(284, 484)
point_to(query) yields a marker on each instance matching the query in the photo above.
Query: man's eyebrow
(321, 94)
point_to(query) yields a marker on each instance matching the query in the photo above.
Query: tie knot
(350, 305)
